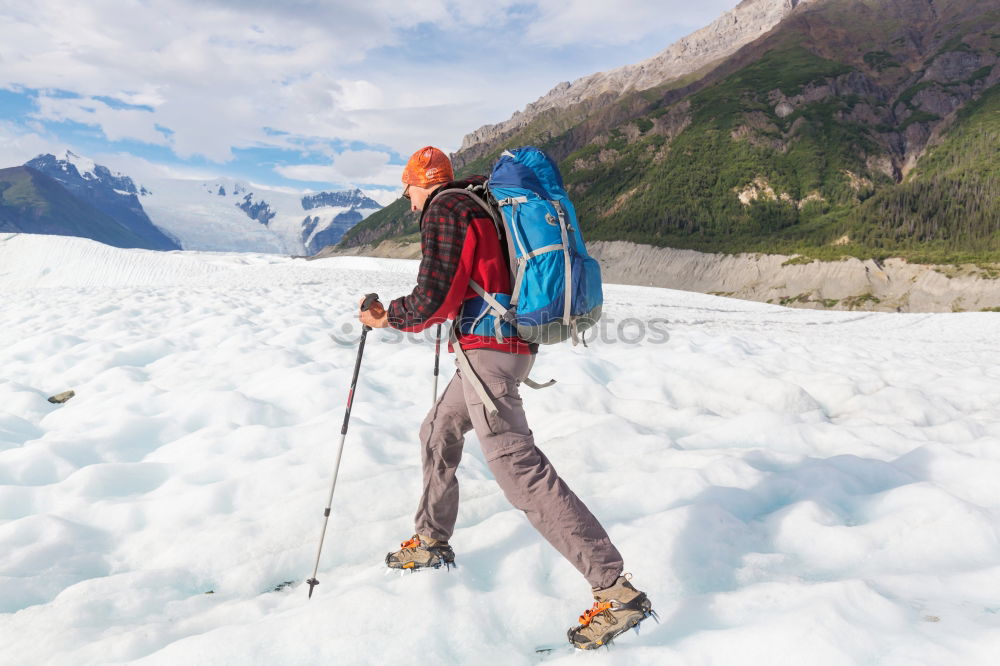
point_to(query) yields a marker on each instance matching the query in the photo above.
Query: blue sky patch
(118, 104)
(15, 104)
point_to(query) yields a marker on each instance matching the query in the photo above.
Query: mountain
(852, 127)
(225, 214)
(169, 214)
(33, 203)
(113, 194)
(318, 235)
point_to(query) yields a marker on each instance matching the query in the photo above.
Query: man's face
(418, 196)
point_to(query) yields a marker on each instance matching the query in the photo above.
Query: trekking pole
(437, 359)
(367, 303)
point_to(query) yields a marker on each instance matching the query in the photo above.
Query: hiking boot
(421, 552)
(616, 610)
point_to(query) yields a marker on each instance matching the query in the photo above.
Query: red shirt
(459, 243)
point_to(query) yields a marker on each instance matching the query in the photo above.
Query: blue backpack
(556, 291)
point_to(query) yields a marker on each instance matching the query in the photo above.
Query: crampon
(616, 610)
(419, 553)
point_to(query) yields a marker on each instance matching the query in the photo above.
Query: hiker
(459, 244)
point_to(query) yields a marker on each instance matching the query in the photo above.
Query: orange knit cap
(428, 166)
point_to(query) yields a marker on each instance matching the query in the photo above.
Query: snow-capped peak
(85, 166)
(355, 199)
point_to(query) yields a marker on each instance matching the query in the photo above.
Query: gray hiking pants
(525, 475)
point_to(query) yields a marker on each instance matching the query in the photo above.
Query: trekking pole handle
(365, 306)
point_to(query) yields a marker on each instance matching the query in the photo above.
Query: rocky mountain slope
(113, 194)
(735, 28)
(893, 285)
(33, 203)
(356, 206)
(853, 127)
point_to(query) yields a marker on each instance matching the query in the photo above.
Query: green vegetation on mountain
(835, 135)
(685, 191)
(952, 199)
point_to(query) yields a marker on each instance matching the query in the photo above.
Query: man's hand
(375, 316)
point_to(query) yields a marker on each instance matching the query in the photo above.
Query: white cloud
(368, 167)
(218, 73)
(358, 164)
(18, 147)
(360, 95)
(383, 196)
(143, 171)
(117, 124)
(214, 75)
(311, 173)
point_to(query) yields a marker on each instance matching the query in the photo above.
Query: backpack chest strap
(485, 315)
(502, 312)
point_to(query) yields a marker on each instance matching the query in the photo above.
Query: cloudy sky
(300, 93)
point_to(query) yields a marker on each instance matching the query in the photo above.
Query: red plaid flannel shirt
(459, 243)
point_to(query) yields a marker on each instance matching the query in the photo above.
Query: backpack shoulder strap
(480, 194)
(479, 199)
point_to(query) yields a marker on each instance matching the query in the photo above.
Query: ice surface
(790, 487)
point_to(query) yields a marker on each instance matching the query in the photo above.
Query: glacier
(790, 487)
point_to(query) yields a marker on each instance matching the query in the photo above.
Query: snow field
(789, 486)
